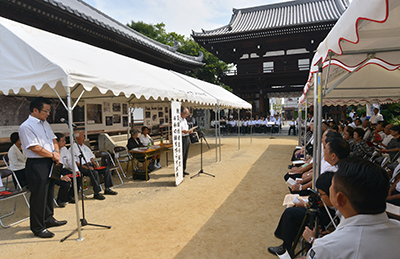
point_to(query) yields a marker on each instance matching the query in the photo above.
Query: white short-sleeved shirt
(65, 157)
(375, 118)
(360, 237)
(184, 126)
(33, 132)
(145, 140)
(87, 153)
(17, 158)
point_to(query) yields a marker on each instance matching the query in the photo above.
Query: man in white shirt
(41, 149)
(359, 189)
(88, 162)
(376, 117)
(292, 126)
(185, 137)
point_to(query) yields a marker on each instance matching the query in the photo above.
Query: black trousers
(21, 176)
(42, 192)
(66, 190)
(290, 222)
(95, 180)
(185, 150)
(294, 130)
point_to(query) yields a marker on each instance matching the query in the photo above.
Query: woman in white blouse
(146, 140)
(17, 159)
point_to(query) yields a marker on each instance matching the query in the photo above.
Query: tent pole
(237, 123)
(305, 124)
(251, 126)
(219, 133)
(216, 134)
(74, 169)
(299, 124)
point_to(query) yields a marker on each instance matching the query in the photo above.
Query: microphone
(65, 121)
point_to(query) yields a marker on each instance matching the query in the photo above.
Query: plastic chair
(13, 193)
(123, 156)
(108, 161)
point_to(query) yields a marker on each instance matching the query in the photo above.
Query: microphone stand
(83, 219)
(201, 136)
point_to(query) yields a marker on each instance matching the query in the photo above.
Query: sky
(180, 16)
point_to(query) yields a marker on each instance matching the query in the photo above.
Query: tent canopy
(34, 61)
(360, 57)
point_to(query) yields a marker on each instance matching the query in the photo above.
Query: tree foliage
(211, 72)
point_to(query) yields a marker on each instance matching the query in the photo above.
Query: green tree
(211, 72)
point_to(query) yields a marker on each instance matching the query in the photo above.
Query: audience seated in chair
(291, 219)
(90, 163)
(359, 190)
(17, 160)
(361, 147)
(146, 141)
(66, 190)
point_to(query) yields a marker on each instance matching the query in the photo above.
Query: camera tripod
(312, 220)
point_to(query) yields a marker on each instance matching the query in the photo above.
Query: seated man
(90, 163)
(292, 126)
(359, 189)
(17, 160)
(66, 191)
(335, 148)
(292, 217)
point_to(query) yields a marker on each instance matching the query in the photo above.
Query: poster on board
(177, 141)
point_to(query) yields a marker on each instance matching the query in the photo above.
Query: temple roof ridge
(279, 15)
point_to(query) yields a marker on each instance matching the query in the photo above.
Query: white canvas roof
(33, 61)
(364, 46)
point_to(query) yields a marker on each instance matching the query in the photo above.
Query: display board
(177, 141)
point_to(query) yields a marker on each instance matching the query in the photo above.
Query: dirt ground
(231, 215)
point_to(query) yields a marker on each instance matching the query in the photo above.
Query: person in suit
(42, 151)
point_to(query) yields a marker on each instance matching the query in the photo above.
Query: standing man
(376, 117)
(42, 151)
(185, 137)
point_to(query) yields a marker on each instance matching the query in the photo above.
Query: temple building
(271, 47)
(80, 21)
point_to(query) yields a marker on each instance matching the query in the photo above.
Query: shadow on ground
(239, 228)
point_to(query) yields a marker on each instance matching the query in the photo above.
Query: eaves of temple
(78, 20)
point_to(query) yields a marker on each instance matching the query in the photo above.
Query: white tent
(358, 62)
(360, 57)
(37, 63)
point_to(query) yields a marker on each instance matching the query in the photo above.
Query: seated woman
(348, 135)
(134, 142)
(394, 193)
(394, 145)
(146, 140)
(361, 147)
(17, 159)
(66, 191)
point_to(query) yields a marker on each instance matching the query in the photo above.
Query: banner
(177, 141)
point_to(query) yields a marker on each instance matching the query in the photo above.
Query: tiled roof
(83, 10)
(286, 14)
